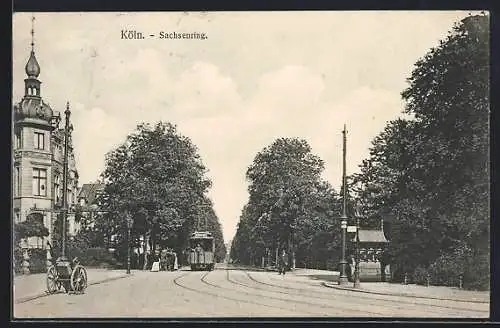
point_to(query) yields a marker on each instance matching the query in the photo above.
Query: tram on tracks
(202, 250)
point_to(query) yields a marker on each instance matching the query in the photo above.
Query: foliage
(38, 260)
(474, 268)
(420, 276)
(97, 257)
(214, 226)
(32, 227)
(429, 175)
(289, 206)
(18, 258)
(157, 177)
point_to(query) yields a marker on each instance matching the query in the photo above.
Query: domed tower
(34, 122)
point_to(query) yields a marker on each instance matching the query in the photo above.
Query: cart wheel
(53, 285)
(79, 279)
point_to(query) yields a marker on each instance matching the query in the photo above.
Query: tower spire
(32, 33)
(32, 68)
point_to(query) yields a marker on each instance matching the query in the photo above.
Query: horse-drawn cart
(70, 275)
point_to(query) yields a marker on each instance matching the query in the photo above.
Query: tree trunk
(153, 241)
(277, 254)
(146, 241)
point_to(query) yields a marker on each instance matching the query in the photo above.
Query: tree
(431, 173)
(158, 177)
(288, 202)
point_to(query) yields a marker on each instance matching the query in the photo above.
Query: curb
(45, 293)
(402, 294)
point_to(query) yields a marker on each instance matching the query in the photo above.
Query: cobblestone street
(248, 293)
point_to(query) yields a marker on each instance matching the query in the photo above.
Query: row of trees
(290, 207)
(430, 174)
(427, 176)
(157, 177)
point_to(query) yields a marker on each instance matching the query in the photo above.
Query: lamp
(130, 223)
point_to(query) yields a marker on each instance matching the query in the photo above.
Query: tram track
(46, 293)
(202, 279)
(295, 301)
(357, 297)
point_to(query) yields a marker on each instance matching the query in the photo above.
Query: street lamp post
(343, 280)
(130, 223)
(67, 131)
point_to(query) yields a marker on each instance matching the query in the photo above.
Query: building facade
(88, 202)
(38, 153)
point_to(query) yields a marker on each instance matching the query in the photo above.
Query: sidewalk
(32, 286)
(416, 291)
(330, 279)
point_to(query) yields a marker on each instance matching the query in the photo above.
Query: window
(19, 144)
(40, 182)
(39, 140)
(17, 191)
(57, 192)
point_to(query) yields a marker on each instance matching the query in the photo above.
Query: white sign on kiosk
(351, 228)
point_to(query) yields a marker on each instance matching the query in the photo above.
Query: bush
(98, 257)
(18, 259)
(477, 273)
(38, 260)
(447, 268)
(420, 276)
(474, 268)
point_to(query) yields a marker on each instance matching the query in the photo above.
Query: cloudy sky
(256, 77)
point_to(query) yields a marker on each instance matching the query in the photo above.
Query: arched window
(57, 186)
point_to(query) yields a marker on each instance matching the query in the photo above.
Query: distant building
(89, 194)
(88, 200)
(38, 147)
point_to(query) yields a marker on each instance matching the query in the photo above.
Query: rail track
(400, 298)
(202, 279)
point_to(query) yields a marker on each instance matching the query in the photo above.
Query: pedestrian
(198, 249)
(283, 262)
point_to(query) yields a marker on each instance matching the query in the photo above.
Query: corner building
(38, 154)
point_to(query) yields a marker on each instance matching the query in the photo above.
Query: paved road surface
(235, 293)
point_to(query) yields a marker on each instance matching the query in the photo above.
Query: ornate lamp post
(343, 280)
(67, 131)
(130, 223)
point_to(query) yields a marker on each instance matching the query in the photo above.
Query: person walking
(283, 262)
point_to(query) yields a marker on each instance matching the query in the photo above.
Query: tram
(202, 250)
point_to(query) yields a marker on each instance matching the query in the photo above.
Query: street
(227, 292)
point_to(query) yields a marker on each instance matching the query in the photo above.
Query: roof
(89, 191)
(371, 236)
(34, 108)
(201, 234)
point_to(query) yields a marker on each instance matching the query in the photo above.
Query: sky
(256, 77)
